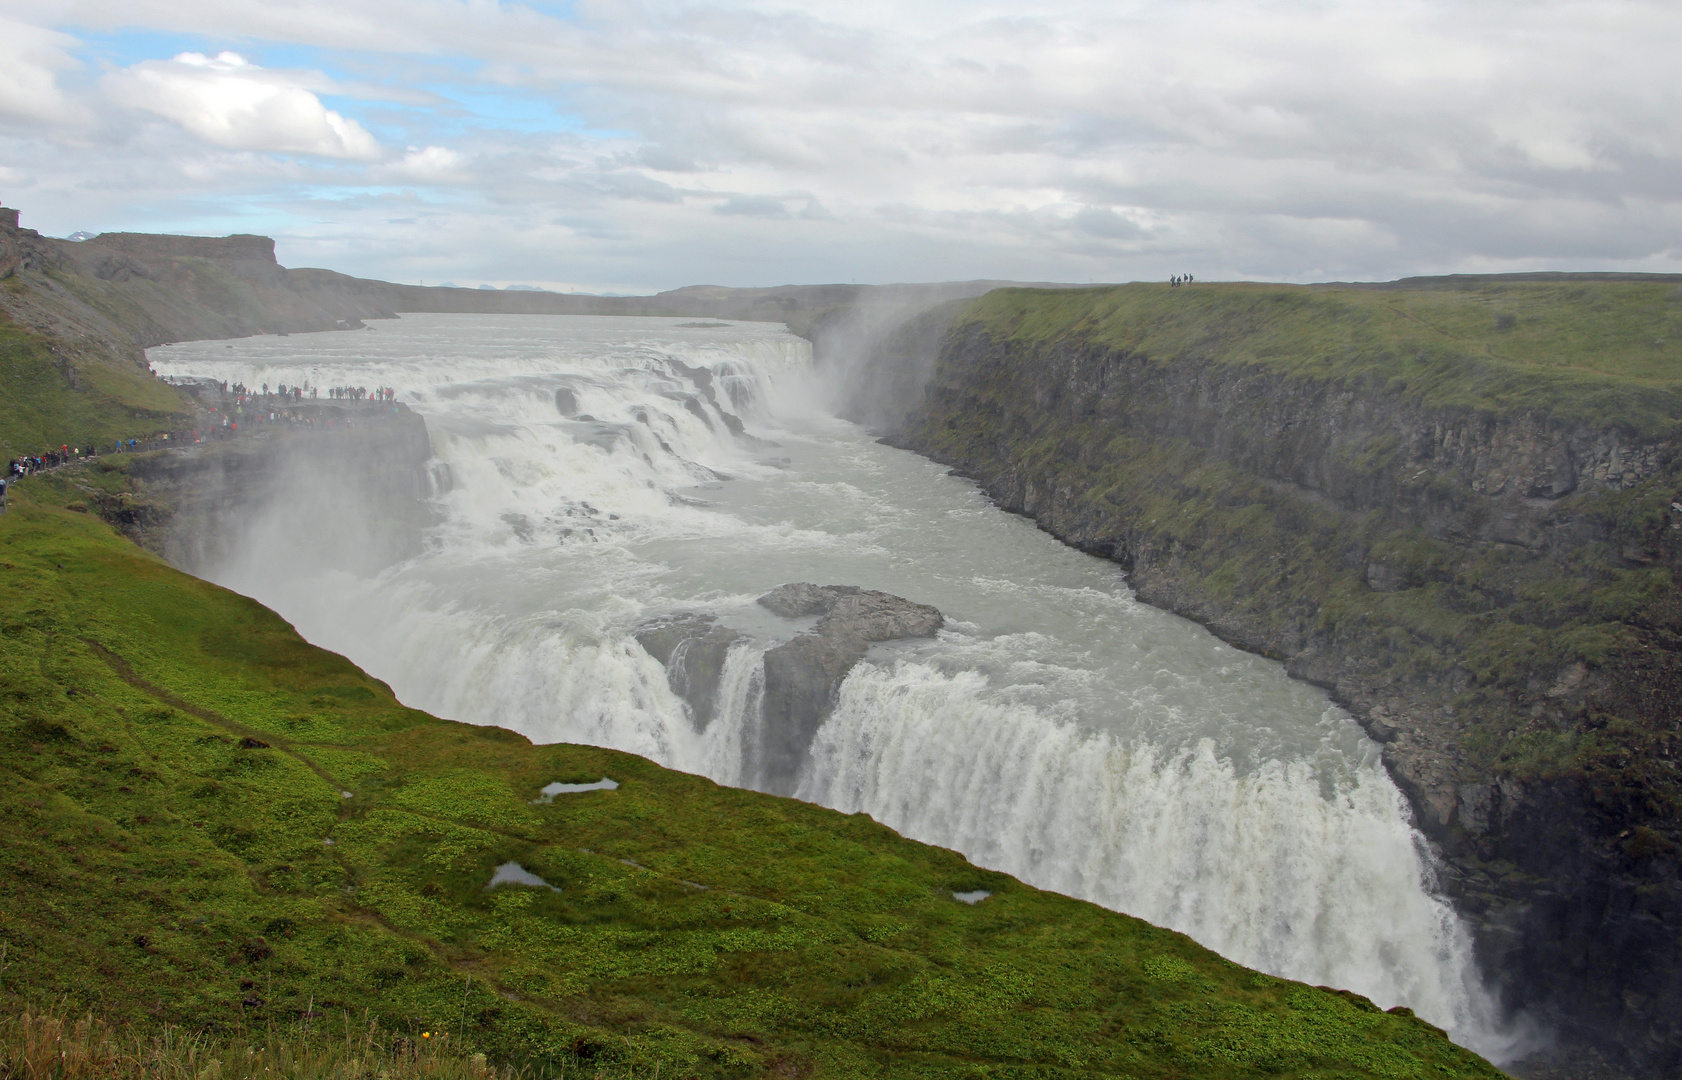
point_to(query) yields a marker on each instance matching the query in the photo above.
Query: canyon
(1448, 502)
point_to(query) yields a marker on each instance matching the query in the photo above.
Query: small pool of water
(551, 790)
(512, 873)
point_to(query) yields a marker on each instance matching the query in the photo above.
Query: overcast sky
(638, 146)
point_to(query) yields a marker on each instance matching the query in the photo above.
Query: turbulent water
(1057, 729)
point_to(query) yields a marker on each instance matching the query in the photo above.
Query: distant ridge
(1473, 281)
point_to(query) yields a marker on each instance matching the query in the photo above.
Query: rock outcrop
(803, 676)
(195, 505)
(798, 680)
(692, 648)
(11, 249)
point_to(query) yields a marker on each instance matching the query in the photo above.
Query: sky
(636, 146)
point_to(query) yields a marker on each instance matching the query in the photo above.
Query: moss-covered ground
(212, 824)
(1604, 353)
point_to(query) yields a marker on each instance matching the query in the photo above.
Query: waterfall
(594, 474)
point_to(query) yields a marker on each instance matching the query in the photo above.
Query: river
(588, 480)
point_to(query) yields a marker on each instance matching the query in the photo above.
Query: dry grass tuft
(44, 1046)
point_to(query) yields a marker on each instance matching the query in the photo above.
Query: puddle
(552, 790)
(512, 873)
(971, 897)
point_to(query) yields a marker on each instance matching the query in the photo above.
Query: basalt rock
(799, 679)
(803, 676)
(692, 648)
(196, 505)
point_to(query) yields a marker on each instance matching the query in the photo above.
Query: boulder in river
(803, 676)
(799, 678)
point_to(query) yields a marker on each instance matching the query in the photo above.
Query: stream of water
(588, 481)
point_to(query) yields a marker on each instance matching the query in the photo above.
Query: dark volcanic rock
(850, 610)
(692, 648)
(798, 679)
(803, 675)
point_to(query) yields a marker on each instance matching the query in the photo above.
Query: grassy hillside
(1608, 353)
(212, 823)
(49, 398)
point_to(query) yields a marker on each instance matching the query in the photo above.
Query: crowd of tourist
(259, 406)
(30, 464)
(378, 395)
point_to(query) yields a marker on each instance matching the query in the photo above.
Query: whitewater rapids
(588, 479)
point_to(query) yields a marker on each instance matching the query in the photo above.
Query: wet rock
(703, 379)
(803, 676)
(692, 648)
(799, 679)
(850, 610)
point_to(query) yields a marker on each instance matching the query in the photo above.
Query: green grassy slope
(69, 376)
(177, 760)
(47, 400)
(1607, 353)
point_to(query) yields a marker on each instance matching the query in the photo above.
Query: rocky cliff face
(1489, 591)
(803, 676)
(11, 250)
(351, 495)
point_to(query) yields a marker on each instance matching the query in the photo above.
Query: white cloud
(428, 164)
(30, 58)
(230, 102)
(703, 138)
